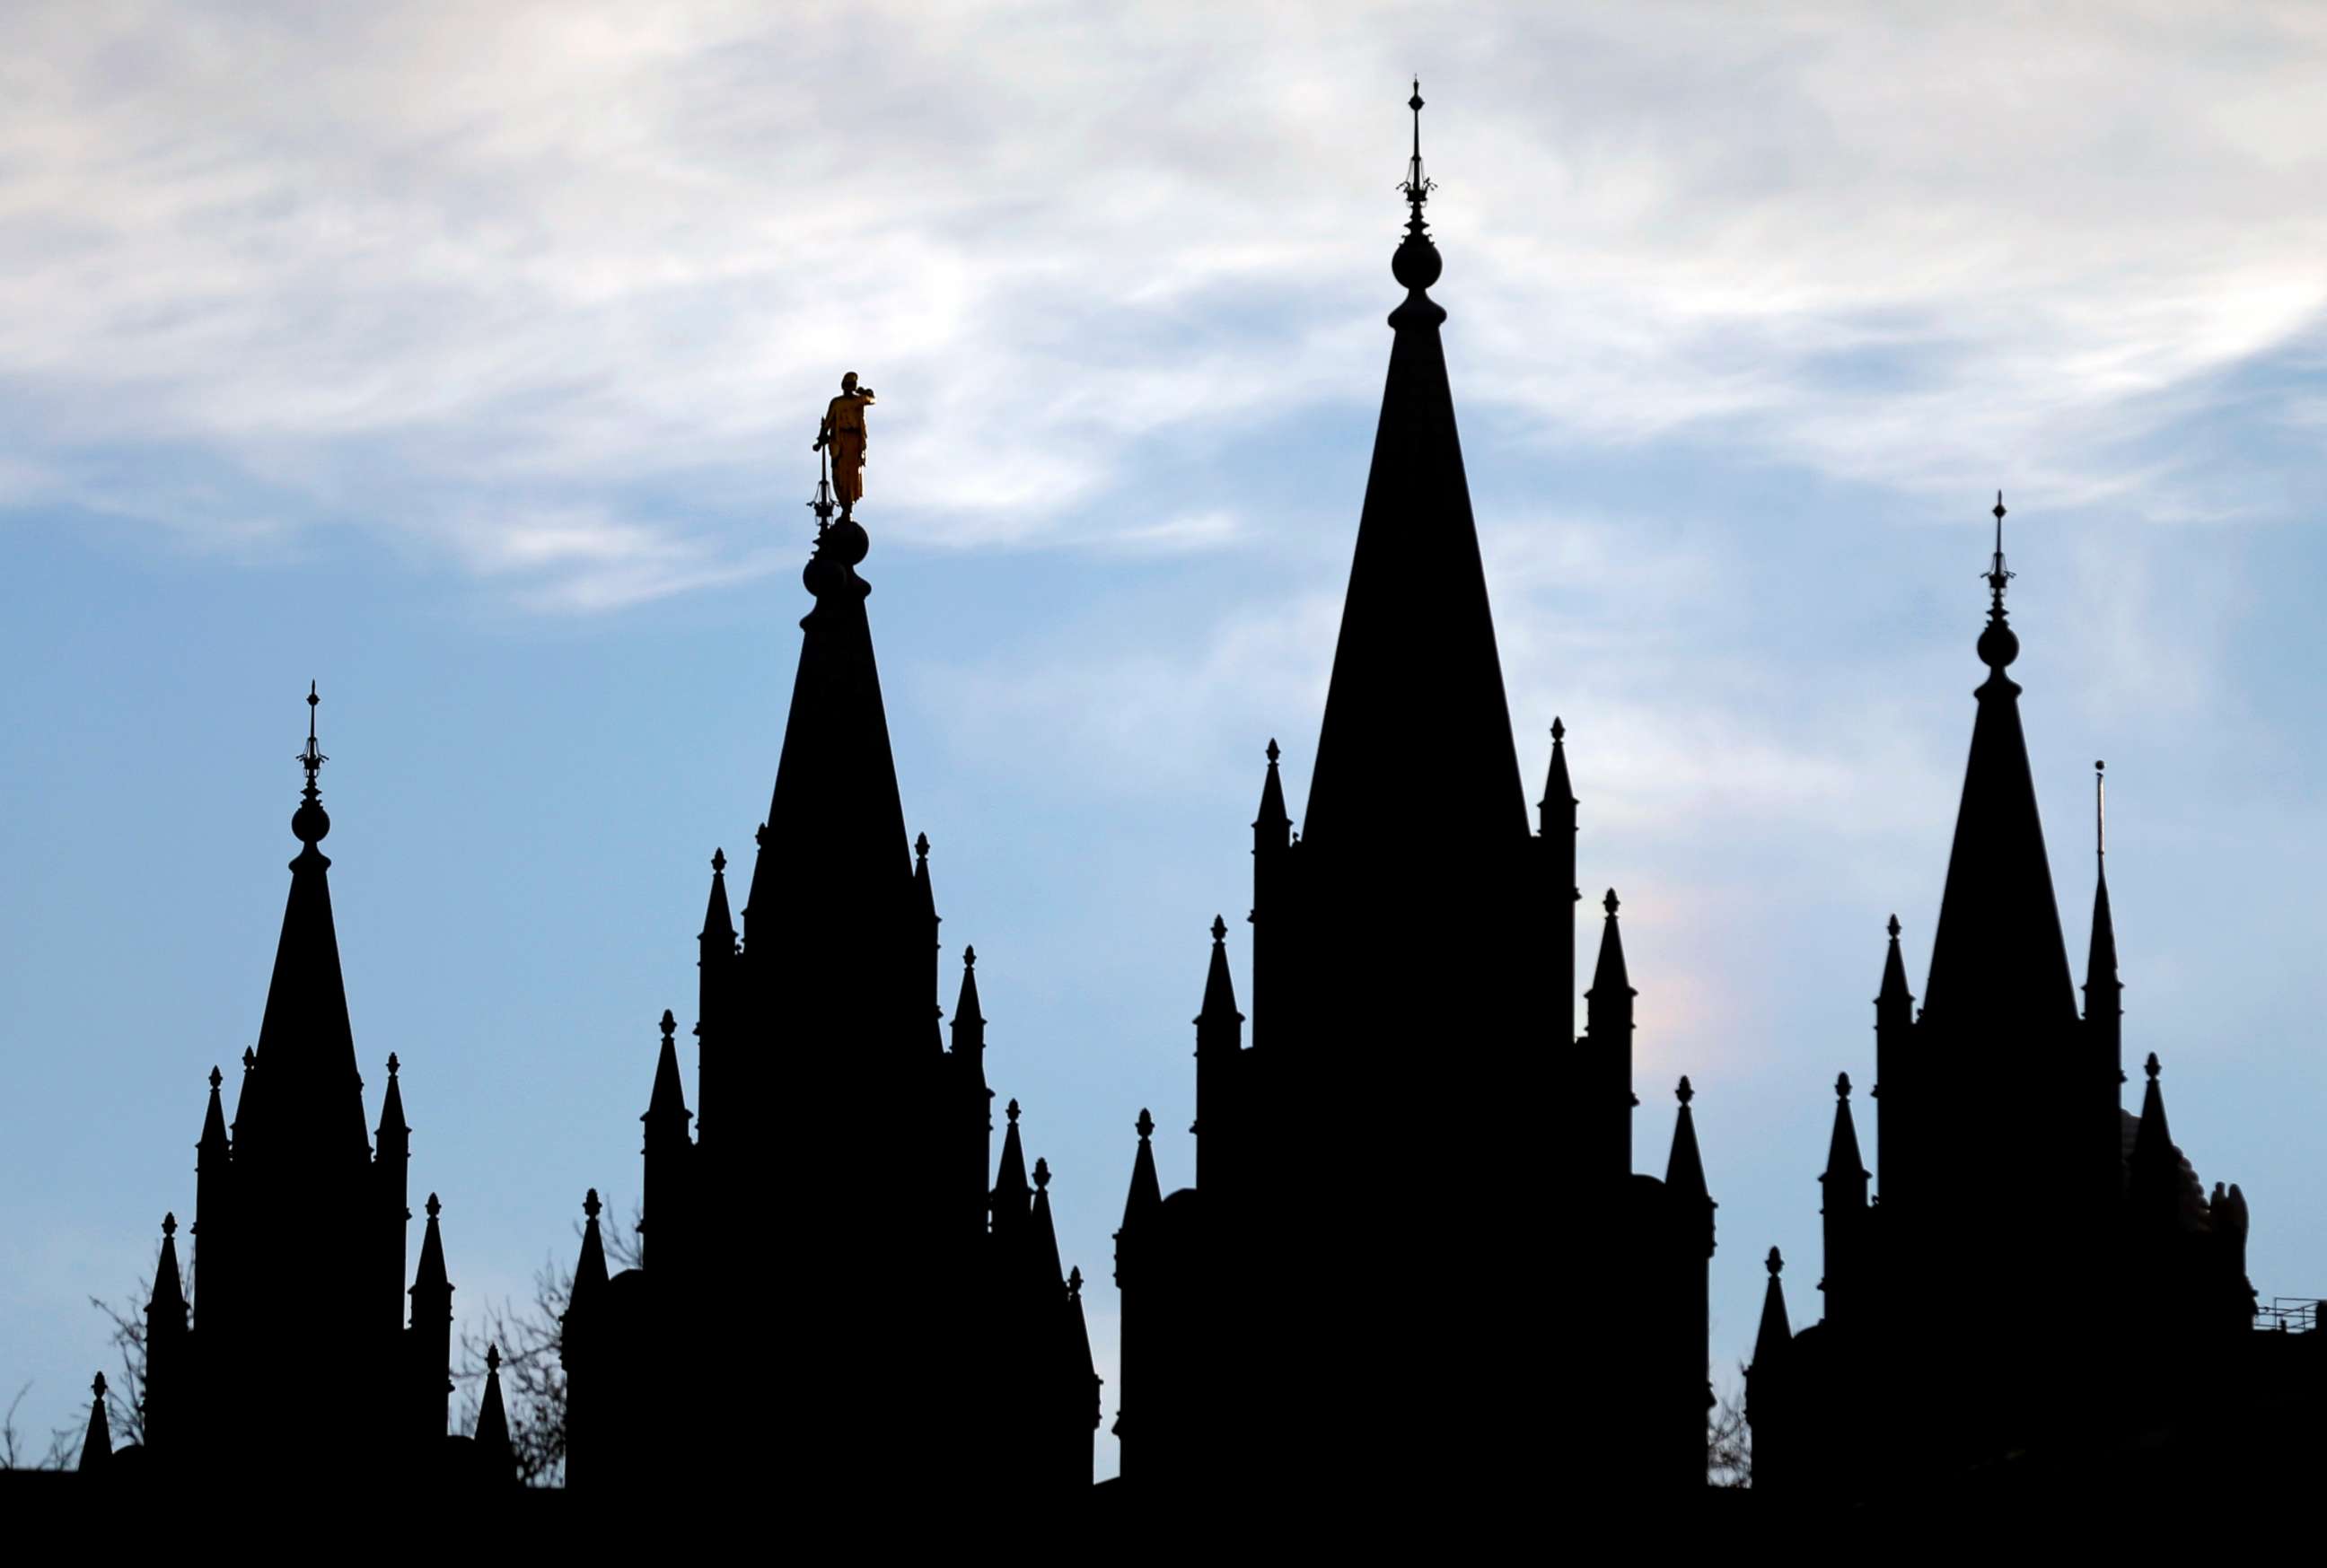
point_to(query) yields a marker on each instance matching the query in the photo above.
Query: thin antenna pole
(2100, 819)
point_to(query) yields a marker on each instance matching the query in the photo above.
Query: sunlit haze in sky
(465, 359)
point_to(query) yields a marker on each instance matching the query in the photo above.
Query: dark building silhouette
(2105, 1327)
(1413, 990)
(1414, 1278)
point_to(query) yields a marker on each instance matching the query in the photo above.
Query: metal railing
(2289, 1315)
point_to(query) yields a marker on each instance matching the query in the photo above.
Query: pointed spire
(2155, 1173)
(97, 1445)
(495, 1457)
(718, 935)
(1775, 1333)
(1685, 1167)
(968, 1017)
(1049, 1276)
(392, 1131)
(213, 1141)
(1556, 809)
(1272, 829)
(1219, 990)
(2104, 994)
(166, 1309)
(1011, 1188)
(1844, 1168)
(1416, 712)
(1609, 977)
(589, 1268)
(309, 1098)
(666, 1105)
(1146, 1194)
(429, 1282)
(1998, 958)
(1894, 992)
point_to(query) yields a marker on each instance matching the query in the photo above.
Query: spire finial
(392, 1064)
(1842, 1087)
(1609, 903)
(1776, 1263)
(1220, 930)
(310, 823)
(435, 1208)
(669, 1025)
(1145, 1126)
(1894, 928)
(1041, 1173)
(969, 961)
(493, 1360)
(1075, 1285)
(1416, 263)
(1558, 730)
(718, 863)
(920, 847)
(250, 1059)
(2100, 817)
(169, 1225)
(1273, 752)
(1011, 1111)
(590, 1204)
(1998, 645)
(2151, 1067)
(1684, 1094)
(217, 1078)
(98, 1386)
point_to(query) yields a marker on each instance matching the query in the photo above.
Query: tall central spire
(1415, 720)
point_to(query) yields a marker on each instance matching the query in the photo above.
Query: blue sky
(465, 359)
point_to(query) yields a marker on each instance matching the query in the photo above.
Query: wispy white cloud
(551, 251)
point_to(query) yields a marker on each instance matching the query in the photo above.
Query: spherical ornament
(1416, 263)
(1998, 645)
(819, 576)
(846, 542)
(310, 823)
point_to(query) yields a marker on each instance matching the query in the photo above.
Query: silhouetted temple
(2037, 1287)
(1415, 1265)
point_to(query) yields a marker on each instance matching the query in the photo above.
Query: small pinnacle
(1011, 1110)
(435, 1208)
(2151, 1067)
(1074, 1285)
(1842, 1087)
(1220, 930)
(1609, 903)
(1684, 1094)
(492, 1358)
(169, 1225)
(1273, 752)
(969, 959)
(1042, 1174)
(921, 846)
(1894, 928)
(590, 1204)
(1776, 1263)
(670, 1024)
(250, 1059)
(1558, 730)
(217, 1078)
(1145, 1126)
(718, 861)
(391, 1064)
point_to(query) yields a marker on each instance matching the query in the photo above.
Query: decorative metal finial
(1220, 930)
(1273, 752)
(1998, 644)
(1042, 1174)
(1558, 730)
(2101, 813)
(718, 861)
(1684, 1094)
(310, 823)
(920, 847)
(217, 1078)
(1011, 1110)
(1894, 928)
(250, 1059)
(969, 961)
(169, 1225)
(1145, 1126)
(1842, 1087)
(1776, 1263)
(1074, 1285)
(1416, 264)
(1610, 904)
(2151, 1067)
(1418, 186)
(590, 1205)
(493, 1360)
(435, 1208)
(669, 1025)
(1996, 575)
(98, 1386)
(391, 1064)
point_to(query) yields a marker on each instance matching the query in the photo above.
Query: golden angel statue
(843, 430)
